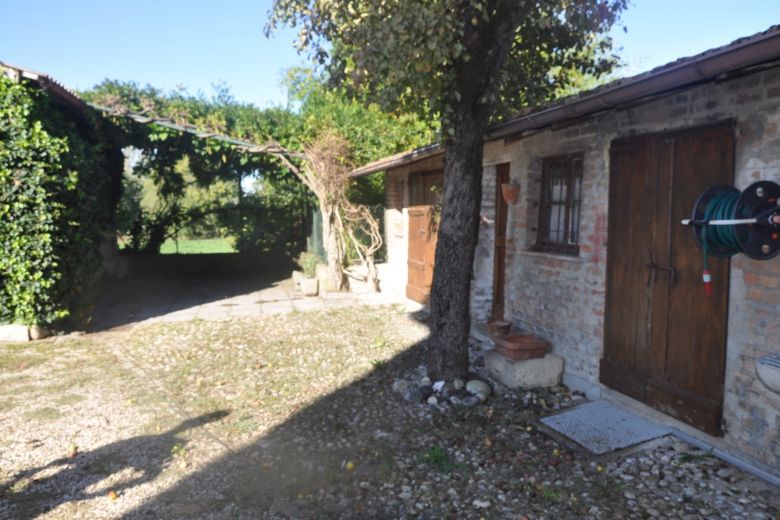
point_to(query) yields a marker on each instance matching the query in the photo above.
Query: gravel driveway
(295, 416)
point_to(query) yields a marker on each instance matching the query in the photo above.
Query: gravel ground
(304, 416)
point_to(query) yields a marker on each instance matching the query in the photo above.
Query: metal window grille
(559, 205)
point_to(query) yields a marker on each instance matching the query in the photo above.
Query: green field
(198, 247)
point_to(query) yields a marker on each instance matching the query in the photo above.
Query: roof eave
(707, 67)
(394, 161)
(46, 83)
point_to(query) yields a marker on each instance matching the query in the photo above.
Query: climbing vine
(56, 203)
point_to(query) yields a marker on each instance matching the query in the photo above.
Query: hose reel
(726, 221)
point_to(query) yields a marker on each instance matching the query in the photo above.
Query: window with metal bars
(559, 205)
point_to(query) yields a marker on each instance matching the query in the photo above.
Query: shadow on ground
(78, 478)
(328, 460)
(146, 297)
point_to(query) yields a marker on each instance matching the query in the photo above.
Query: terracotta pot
(521, 346)
(510, 192)
(498, 328)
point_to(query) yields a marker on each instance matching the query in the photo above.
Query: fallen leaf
(73, 450)
(112, 495)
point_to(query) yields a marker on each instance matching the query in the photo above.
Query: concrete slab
(14, 333)
(277, 307)
(526, 373)
(602, 427)
(154, 299)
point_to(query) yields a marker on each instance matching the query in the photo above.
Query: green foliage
(183, 183)
(56, 204)
(370, 132)
(308, 263)
(191, 184)
(437, 457)
(425, 47)
(274, 217)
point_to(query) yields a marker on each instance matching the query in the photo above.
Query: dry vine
(326, 173)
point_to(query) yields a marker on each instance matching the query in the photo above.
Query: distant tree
(184, 168)
(464, 61)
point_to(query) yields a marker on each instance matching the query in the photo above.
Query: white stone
(14, 333)
(297, 276)
(457, 384)
(438, 385)
(527, 373)
(39, 332)
(475, 387)
(309, 286)
(432, 400)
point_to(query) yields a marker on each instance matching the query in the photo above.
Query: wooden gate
(424, 196)
(664, 339)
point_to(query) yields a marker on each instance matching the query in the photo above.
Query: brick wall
(562, 298)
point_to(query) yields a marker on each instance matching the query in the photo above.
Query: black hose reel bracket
(755, 220)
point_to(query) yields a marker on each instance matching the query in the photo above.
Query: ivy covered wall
(59, 173)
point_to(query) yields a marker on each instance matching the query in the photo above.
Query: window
(559, 205)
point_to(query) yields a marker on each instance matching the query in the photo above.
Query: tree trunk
(473, 100)
(450, 316)
(333, 242)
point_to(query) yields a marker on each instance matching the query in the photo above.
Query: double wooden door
(424, 198)
(664, 339)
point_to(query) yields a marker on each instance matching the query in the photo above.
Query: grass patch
(21, 356)
(6, 405)
(693, 457)
(69, 399)
(437, 457)
(44, 414)
(549, 494)
(197, 246)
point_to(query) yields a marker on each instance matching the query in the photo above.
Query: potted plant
(309, 283)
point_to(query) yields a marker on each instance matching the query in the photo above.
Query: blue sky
(197, 43)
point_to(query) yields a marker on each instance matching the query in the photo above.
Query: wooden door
(499, 252)
(424, 196)
(664, 339)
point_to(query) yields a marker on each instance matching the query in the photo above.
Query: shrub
(308, 262)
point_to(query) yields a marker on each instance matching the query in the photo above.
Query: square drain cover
(602, 427)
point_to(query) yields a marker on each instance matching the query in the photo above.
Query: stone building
(592, 256)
